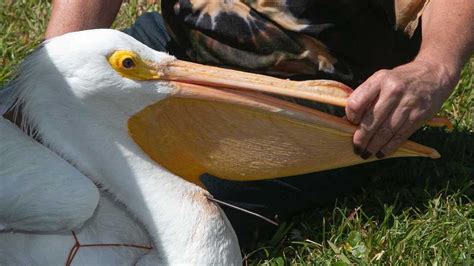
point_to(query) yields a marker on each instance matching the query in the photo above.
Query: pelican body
(143, 126)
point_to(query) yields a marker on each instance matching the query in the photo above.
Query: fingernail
(380, 155)
(357, 150)
(365, 155)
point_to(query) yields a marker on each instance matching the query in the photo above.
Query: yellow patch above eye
(128, 64)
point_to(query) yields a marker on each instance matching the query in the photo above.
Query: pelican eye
(128, 63)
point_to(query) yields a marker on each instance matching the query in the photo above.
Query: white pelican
(133, 121)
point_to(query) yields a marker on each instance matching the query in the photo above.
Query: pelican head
(105, 72)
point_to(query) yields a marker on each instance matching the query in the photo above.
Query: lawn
(413, 211)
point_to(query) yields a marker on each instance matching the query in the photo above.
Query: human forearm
(448, 35)
(74, 15)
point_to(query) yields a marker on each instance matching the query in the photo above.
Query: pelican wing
(39, 191)
(244, 136)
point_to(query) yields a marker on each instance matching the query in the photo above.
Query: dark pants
(278, 198)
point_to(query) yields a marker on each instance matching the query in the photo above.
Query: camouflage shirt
(345, 40)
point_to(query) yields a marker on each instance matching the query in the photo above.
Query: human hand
(392, 104)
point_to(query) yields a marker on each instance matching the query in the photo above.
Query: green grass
(414, 211)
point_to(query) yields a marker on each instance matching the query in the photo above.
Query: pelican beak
(130, 65)
(325, 91)
(218, 121)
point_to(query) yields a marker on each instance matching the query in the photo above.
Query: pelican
(125, 132)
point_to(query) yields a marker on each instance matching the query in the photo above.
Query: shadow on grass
(410, 182)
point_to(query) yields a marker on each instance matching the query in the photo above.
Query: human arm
(392, 104)
(75, 15)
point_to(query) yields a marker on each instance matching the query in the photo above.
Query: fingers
(393, 132)
(409, 127)
(370, 126)
(398, 139)
(376, 115)
(361, 99)
(389, 129)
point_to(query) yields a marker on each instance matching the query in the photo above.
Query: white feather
(40, 191)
